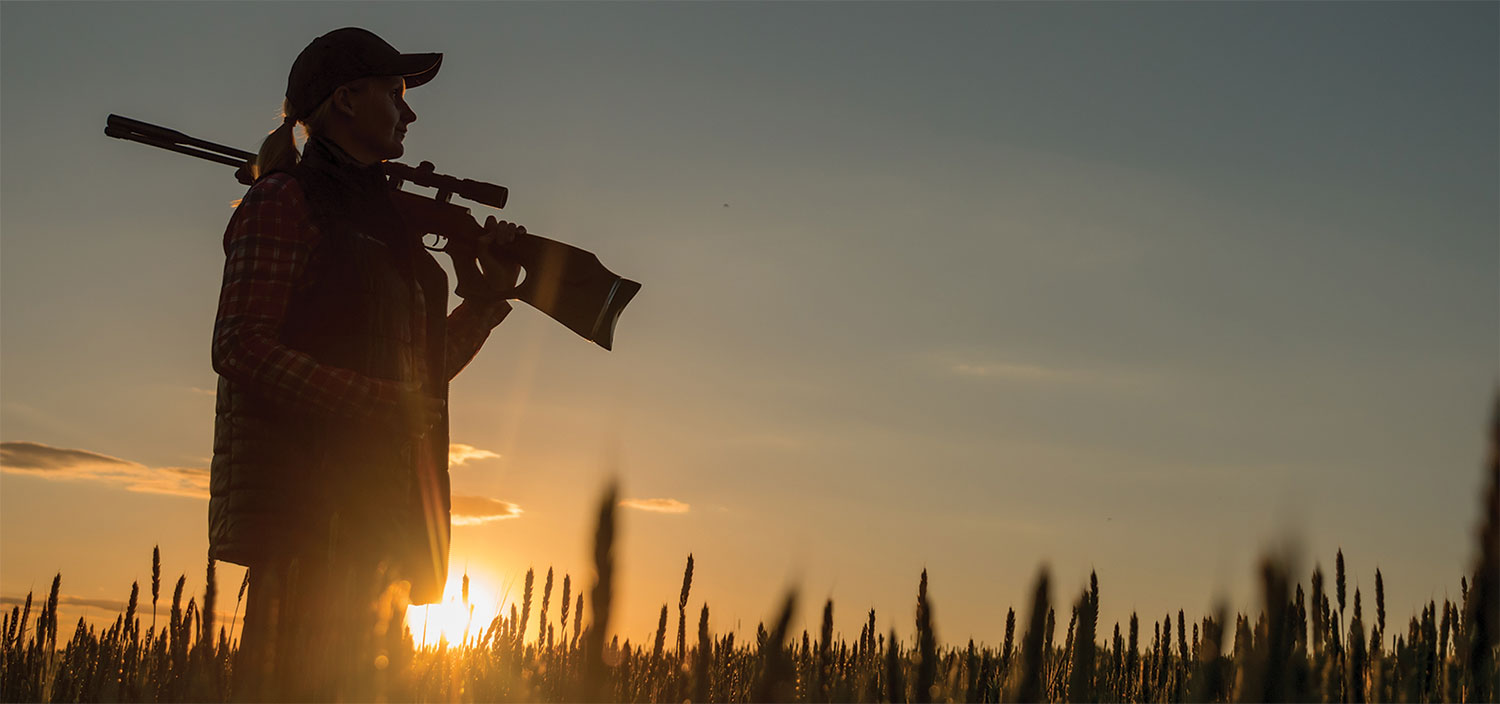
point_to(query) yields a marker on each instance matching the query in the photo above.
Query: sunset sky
(1143, 288)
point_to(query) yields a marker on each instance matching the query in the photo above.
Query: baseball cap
(349, 54)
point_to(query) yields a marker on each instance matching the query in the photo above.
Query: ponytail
(278, 152)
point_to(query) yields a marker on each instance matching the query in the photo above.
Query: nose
(408, 115)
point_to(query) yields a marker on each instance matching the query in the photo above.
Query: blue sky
(1136, 287)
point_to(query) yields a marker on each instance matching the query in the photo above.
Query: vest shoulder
(279, 191)
(278, 184)
(274, 204)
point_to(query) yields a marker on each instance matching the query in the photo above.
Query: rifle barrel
(190, 151)
(158, 136)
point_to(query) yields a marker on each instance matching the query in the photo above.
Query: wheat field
(1311, 642)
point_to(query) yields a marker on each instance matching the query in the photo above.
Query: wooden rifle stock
(568, 284)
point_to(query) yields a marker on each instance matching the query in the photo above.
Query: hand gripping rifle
(568, 284)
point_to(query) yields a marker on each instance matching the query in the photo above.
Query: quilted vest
(291, 480)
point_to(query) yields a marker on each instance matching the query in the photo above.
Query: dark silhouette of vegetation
(1295, 649)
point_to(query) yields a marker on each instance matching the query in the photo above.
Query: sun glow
(461, 617)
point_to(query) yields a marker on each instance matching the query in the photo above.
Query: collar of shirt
(325, 153)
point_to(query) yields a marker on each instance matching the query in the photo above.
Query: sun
(453, 620)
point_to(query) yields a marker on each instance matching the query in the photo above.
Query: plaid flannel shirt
(269, 245)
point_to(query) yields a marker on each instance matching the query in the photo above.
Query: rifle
(568, 284)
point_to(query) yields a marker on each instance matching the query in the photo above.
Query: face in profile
(381, 116)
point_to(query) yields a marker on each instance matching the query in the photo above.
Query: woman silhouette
(334, 348)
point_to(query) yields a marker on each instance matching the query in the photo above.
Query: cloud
(478, 510)
(1039, 374)
(1025, 372)
(66, 600)
(36, 456)
(459, 453)
(117, 606)
(779, 441)
(656, 505)
(62, 464)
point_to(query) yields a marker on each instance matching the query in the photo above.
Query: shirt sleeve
(268, 246)
(469, 325)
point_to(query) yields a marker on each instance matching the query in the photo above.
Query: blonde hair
(279, 149)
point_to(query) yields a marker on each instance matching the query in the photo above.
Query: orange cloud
(108, 605)
(657, 505)
(62, 464)
(478, 510)
(66, 600)
(459, 453)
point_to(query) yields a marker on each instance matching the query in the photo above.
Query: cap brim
(418, 68)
